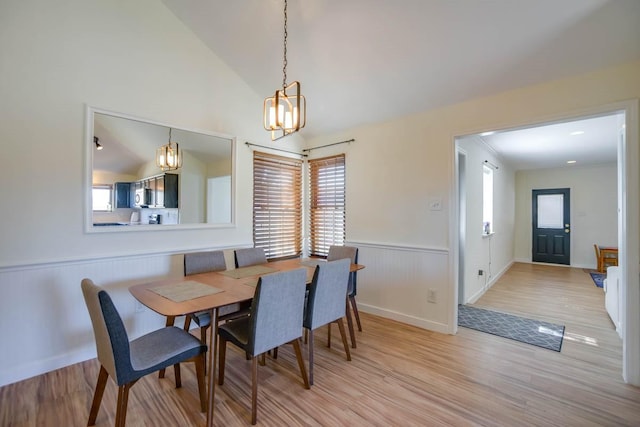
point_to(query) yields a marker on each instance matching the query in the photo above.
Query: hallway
(565, 296)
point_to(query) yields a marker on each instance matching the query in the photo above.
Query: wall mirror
(126, 191)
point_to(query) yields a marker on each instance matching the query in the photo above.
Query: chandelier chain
(284, 62)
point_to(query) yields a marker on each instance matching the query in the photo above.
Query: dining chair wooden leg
(303, 370)
(254, 390)
(352, 332)
(329, 335)
(200, 372)
(222, 355)
(121, 406)
(354, 306)
(310, 351)
(187, 322)
(176, 369)
(203, 341)
(97, 395)
(170, 321)
(343, 333)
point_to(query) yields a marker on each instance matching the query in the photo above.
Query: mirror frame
(88, 177)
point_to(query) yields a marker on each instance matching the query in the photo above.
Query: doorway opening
(628, 215)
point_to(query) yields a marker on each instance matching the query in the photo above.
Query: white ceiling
(588, 141)
(365, 61)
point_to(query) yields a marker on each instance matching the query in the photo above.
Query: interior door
(551, 226)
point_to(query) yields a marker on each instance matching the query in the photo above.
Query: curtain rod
(329, 145)
(277, 149)
(487, 162)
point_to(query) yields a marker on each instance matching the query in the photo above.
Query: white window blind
(327, 204)
(277, 205)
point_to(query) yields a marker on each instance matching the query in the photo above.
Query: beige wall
(594, 209)
(394, 168)
(132, 57)
(135, 57)
(493, 254)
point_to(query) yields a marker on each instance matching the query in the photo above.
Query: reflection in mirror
(127, 188)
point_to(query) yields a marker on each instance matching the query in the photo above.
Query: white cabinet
(612, 296)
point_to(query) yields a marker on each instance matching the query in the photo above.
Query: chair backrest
(250, 256)
(204, 262)
(327, 293)
(112, 341)
(340, 252)
(277, 310)
(595, 247)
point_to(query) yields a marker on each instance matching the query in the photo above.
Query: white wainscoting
(44, 323)
(396, 280)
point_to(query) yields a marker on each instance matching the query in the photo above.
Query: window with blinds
(277, 205)
(326, 204)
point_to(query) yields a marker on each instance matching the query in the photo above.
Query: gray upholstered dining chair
(249, 256)
(275, 319)
(127, 361)
(326, 302)
(195, 263)
(351, 252)
(204, 262)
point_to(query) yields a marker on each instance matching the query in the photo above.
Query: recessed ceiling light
(578, 132)
(487, 133)
(571, 161)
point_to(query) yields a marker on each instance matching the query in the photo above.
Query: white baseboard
(404, 318)
(475, 297)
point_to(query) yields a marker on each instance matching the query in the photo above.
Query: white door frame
(628, 224)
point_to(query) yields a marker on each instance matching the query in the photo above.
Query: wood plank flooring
(400, 375)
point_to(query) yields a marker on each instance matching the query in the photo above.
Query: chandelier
(169, 156)
(285, 112)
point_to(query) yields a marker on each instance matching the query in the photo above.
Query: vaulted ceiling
(365, 61)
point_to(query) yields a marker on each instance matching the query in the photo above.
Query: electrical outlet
(480, 272)
(431, 296)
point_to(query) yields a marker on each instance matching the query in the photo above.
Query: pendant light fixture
(169, 156)
(285, 112)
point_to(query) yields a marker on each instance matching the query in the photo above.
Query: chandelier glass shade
(169, 156)
(285, 112)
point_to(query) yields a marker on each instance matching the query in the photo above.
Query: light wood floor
(400, 375)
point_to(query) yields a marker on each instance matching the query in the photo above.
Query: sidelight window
(487, 200)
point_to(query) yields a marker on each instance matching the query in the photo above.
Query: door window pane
(550, 211)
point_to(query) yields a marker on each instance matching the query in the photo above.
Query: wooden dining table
(228, 287)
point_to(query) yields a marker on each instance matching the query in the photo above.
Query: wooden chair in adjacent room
(326, 302)
(275, 319)
(604, 261)
(126, 362)
(249, 256)
(351, 252)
